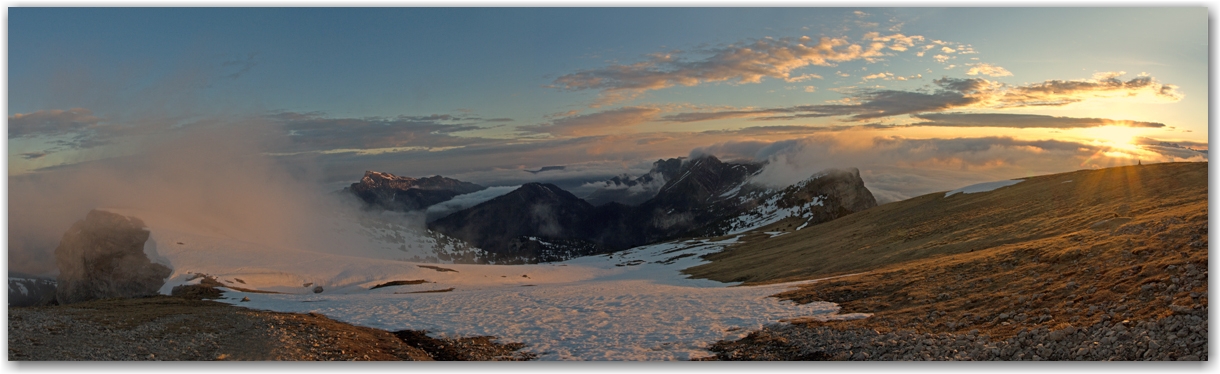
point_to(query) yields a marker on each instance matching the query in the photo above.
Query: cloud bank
(746, 62)
(956, 93)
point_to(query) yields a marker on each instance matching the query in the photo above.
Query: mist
(464, 201)
(213, 177)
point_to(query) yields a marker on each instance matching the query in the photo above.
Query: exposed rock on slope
(103, 256)
(392, 192)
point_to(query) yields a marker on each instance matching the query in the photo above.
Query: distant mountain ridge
(628, 190)
(702, 197)
(397, 193)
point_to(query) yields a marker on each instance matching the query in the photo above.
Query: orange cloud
(50, 122)
(738, 63)
(988, 70)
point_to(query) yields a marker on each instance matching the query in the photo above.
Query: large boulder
(103, 256)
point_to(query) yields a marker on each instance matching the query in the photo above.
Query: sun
(1117, 138)
(1116, 145)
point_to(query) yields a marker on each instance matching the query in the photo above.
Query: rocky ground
(172, 328)
(1181, 337)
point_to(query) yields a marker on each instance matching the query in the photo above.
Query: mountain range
(541, 222)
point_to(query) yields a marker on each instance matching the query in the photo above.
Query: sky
(920, 99)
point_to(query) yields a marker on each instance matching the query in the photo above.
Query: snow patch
(984, 187)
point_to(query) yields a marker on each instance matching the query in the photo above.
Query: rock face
(103, 256)
(703, 197)
(392, 192)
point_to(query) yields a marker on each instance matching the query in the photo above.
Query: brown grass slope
(1043, 207)
(1126, 243)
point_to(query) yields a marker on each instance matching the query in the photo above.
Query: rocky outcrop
(103, 256)
(391, 192)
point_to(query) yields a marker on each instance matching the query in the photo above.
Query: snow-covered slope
(769, 210)
(822, 197)
(630, 305)
(984, 187)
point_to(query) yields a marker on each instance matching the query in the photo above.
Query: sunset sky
(922, 97)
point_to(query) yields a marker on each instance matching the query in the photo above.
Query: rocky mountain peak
(399, 193)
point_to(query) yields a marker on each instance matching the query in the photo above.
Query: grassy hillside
(1049, 207)
(1072, 249)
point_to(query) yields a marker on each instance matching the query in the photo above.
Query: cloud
(1178, 150)
(1060, 92)
(214, 177)
(802, 78)
(315, 131)
(464, 201)
(33, 155)
(950, 94)
(900, 42)
(1171, 143)
(243, 66)
(746, 62)
(51, 122)
(1021, 121)
(890, 77)
(988, 70)
(877, 76)
(613, 120)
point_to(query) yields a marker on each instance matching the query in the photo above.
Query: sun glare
(1123, 138)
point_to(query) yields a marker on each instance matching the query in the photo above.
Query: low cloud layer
(316, 131)
(609, 121)
(1021, 121)
(464, 201)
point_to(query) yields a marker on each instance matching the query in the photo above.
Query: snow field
(630, 305)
